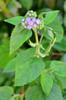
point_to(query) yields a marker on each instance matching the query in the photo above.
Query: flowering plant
(31, 42)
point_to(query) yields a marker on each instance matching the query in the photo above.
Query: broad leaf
(18, 37)
(28, 68)
(14, 20)
(55, 94)
(34, 93)
(59, 68)
(50, 17)
(5, 93)
(46, 82)
(28, 71)
(24, 55)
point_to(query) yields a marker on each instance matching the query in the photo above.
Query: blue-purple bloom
(31, 22)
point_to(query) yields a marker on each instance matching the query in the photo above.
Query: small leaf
(5, 92)
(46, 82)
(18, 37)
(59, 68)
(50, 17)
(55, 94)
(34, 93)
(14, 20)
(57, 29)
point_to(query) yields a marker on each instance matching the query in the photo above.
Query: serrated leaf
(46, 82)
(59, 68)
(34, 93)
(50, 17)
(6, 92)
(18, 37)
(55, 94)
(28, 68)
(14, 20)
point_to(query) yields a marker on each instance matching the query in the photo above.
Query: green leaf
(46, 82)
(26, 3)
(5, 92)
(50, 17)
(18, 37)
(65, 19)
(59, 68)
(62, 45)
(28, 71)
(2, 78)
(23, 54)
(28, 68)
(62, 81)
(10, 67)
(65, 97)
(55, 94)
(34, 93)
(14, 20)
(4, 54)
(57, 28)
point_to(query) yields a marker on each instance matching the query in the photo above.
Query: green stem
(32, 44)
(49, 48)
(37, 43)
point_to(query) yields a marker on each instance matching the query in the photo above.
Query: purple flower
(34, 19)
(29, 27)
(38, 21)
(31, 22)
(28, 20)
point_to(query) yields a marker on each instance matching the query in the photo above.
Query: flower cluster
(31, 21)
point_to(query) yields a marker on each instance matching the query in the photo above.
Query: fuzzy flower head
(31, 21)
